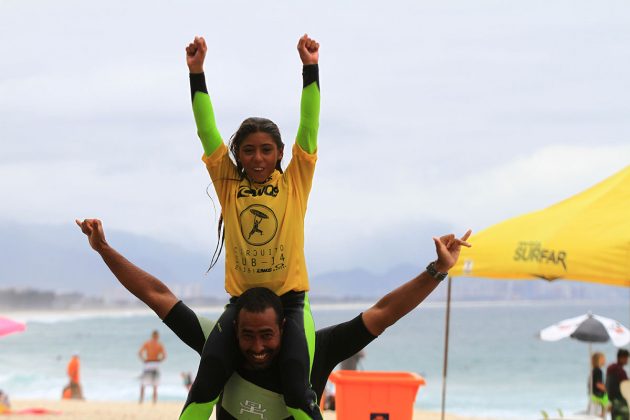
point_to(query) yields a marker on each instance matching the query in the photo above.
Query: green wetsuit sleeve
(204, 114)
(309, 109)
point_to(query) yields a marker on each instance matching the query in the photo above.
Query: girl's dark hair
(254, 125)
(250, 126)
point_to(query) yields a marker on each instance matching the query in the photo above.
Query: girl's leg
(215, 368)
(296, 357)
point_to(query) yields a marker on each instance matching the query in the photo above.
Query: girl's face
(602, 361)
(259, 154)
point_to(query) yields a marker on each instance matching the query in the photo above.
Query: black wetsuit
(255, 389)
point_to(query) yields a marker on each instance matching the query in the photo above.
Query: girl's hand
(196, 54)
(309, 50)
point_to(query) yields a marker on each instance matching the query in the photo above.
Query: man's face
(259, 337)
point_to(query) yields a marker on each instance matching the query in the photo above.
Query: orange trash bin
(371, 395)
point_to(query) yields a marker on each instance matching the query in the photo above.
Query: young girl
(263, 210)
(598, 389)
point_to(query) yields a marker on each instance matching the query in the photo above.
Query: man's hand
(402, 300)
(309, 50)
(93, 228)
(141, 284)
(196, 54)
(448, 248)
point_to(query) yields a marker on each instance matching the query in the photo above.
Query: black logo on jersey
(258, 224)
(246, 191)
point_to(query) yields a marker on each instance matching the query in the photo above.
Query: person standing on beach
(615, 374)
(598, 388)
(187, 378)
(352, 362)
(152, 353)
(73, 389)
(5, 405)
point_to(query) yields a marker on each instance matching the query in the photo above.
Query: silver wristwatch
(439, 276)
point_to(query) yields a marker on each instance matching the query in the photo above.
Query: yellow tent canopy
(584, 238)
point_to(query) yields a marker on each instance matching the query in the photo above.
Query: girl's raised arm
(202, 106)
(309, 107)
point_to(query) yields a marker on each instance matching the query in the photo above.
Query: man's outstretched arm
(398, 303)
(141, 284)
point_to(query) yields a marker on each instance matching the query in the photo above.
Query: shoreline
(56, 315)
(168, 410)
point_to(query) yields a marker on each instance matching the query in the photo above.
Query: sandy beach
(103, 410)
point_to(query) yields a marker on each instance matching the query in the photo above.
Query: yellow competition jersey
(264, 223)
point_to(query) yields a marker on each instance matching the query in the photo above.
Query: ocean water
(497, 366)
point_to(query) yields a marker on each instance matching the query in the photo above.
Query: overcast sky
(436, 115)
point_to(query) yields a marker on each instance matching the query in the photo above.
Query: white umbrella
(589, 328)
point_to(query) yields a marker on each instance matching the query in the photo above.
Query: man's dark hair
(257, 300)
(621, 353)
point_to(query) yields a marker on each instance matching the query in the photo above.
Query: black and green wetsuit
(248, 392)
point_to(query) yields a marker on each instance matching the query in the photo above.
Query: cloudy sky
(436, 115)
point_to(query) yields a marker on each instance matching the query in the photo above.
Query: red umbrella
(8, 326)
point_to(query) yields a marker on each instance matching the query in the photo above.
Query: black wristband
(197, 84)
(310, 74)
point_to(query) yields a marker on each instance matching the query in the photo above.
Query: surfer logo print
(258, 224)
(252, 407)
